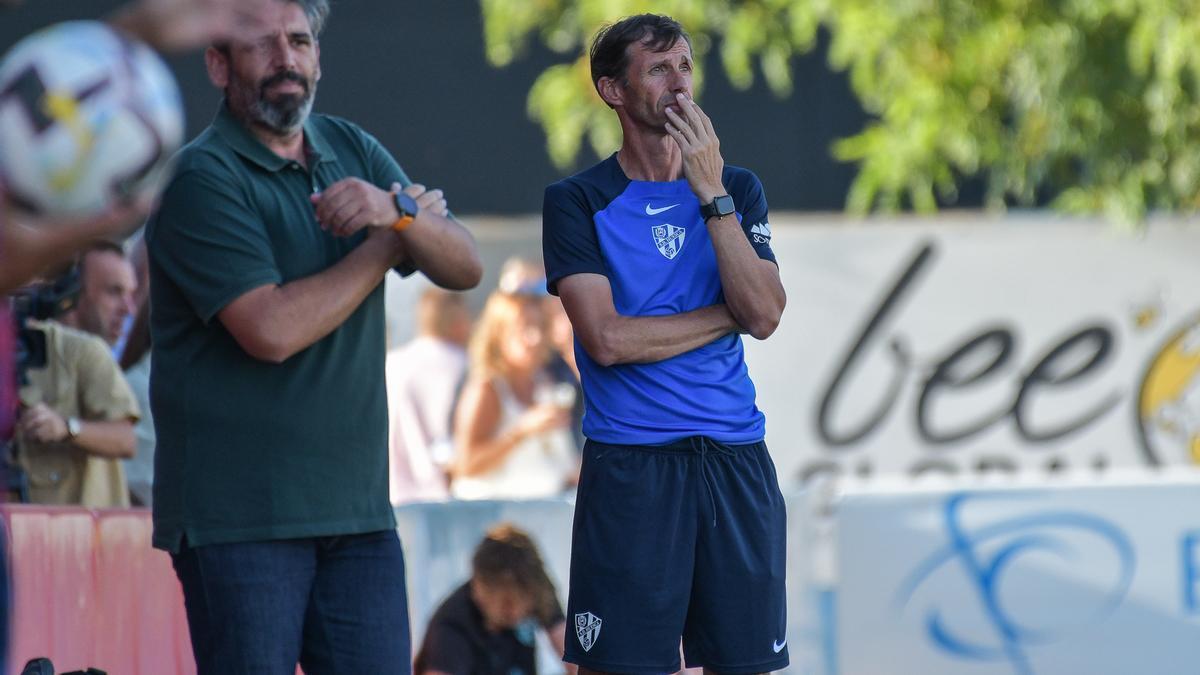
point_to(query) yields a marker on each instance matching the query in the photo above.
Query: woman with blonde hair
(511, 428)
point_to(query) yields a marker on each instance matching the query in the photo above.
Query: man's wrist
(73, 426)
(706, 195)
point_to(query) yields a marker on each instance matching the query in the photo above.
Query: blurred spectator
(512, 424)
(519, 276)
(76, 421)
(488, 625)
(106, 295)
(423, 377)
(111, 289)
(135, 361)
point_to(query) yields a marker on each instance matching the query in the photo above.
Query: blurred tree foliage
(1093, 104)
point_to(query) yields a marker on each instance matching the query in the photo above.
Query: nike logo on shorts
(778, 646)
(651, 211)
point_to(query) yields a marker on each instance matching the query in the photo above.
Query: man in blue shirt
(661, 255)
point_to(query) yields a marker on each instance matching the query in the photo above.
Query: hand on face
(693, 132)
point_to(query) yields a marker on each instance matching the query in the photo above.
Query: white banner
(1062, 580)
(965, 345)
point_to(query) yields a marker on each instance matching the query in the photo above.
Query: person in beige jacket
(76, 422)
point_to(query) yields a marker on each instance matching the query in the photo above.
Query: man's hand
(702, 162)
(41, 424)
(176, 25)
(351, 204)
(30, 245)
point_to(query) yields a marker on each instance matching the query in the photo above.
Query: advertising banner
(964, 345)
(1065, 579)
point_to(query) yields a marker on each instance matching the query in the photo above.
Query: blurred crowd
(490, 410)
(485, 407)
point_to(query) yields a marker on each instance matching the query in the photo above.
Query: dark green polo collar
(248, 146)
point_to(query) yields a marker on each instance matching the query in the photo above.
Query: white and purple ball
(88, 118)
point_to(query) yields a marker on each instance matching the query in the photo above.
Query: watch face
(721, 206)
(407, 205)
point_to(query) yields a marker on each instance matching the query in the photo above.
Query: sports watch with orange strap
(407, 206)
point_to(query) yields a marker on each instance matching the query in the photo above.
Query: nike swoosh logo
(778, 646)
(650, 211)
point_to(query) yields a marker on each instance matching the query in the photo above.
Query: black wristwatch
(721, 206)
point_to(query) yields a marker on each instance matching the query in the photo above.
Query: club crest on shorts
(668, 239)
(587, 629)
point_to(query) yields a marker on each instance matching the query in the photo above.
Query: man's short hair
(610, 48)
(507, 556)
(99, 246)
(317, 12)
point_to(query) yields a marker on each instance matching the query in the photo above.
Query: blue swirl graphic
(1042, 532)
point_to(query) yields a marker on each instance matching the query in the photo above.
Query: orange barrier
(88, 590)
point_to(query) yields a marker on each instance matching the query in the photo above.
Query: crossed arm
(612, 339)
(273, 322)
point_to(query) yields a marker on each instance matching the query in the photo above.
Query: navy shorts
(688, 541)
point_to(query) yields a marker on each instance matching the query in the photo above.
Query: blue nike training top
(649, 240)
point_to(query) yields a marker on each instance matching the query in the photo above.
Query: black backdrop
(414, 74)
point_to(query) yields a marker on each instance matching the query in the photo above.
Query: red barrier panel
(88, 590)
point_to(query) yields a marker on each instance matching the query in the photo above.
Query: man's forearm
(114, 440)
(444, 251)
(26, 252)
(273, 323)
(647, 339)
(751, 286)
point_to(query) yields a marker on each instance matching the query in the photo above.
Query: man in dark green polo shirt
(267, 256)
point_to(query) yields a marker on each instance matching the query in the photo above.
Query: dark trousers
(335, 605)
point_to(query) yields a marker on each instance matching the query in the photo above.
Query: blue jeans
(335, 605)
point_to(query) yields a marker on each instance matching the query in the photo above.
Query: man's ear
(217, 64)
(611, 91)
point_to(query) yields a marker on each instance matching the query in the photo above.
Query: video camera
(37, 302)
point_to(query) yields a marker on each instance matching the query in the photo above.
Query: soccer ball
(87, 118)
